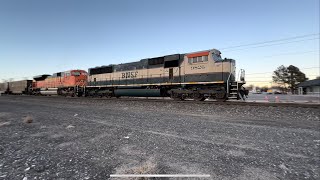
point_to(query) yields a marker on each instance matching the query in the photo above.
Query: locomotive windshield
(216, 57)
(76, 73)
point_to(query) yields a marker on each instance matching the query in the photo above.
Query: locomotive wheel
(183, 97)
(221, 96)
(180, 99)
(108, 96)
(221, 100)
(201, 99)
(177, 97)
(198, 97)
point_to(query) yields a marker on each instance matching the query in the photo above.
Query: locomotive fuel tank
(138, 92)
(49, 91)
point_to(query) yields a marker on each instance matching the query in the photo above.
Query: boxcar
(20, 87)
(4, 87)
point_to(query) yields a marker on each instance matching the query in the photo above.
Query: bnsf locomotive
(197, 75)
(63, 83)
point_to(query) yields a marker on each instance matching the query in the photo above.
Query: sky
(44, 37)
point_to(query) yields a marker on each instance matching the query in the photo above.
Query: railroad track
(167, 100)
(242, 103)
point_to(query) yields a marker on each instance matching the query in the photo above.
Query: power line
(310, 68)
(268, 77)
(284, 54)
(277, 40)
(272, 71)
(314, 74)
(273, 44)
(259, 73)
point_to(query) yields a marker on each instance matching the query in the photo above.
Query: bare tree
(288, 76)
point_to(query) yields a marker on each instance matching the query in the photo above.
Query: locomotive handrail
(241, 75)
(228, 83)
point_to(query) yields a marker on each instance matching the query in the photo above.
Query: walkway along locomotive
(196, 75)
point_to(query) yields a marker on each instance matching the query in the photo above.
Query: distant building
(275, 91)
(309, 87)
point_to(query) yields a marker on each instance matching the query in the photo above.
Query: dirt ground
(69, 138)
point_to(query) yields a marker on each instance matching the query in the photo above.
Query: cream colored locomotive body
(204, 67)
(196, 75)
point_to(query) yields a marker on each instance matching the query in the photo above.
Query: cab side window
(197, 59)
(205, 58)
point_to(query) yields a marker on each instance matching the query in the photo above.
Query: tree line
(287, 78)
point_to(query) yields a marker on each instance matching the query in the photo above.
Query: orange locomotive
(66, 83)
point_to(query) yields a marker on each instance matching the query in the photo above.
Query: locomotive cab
(216, 75)
(208, 66)
(80, 77)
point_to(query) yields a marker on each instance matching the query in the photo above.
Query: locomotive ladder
(233, 88)
(77, 88)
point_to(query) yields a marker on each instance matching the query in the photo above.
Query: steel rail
(209, 102)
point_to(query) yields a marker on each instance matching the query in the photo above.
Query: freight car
(20, 87)
(68, 83)
(196, 75)
(4, 88)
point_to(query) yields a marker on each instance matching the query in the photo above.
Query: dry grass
(28, 119)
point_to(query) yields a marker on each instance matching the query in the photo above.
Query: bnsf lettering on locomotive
(198, 67)
(130, 74)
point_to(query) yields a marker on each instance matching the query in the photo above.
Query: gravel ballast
(69, 138)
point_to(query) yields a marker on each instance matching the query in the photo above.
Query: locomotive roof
(44, 76)
(144, 62)
(216, 51)
(41, 77)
